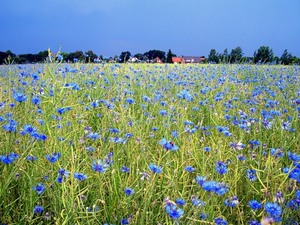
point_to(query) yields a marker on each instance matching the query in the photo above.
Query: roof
(177, 59)
(193, 59)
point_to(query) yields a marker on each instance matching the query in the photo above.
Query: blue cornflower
(209, 186)
(174, 134)
(220, 221)
(155, 168)
(185, 94)
(232, 202)
(128, 135)
(295, 203)
(278, 197)
(114, 130)
(215, 187)
(241, 157)
(38, 209)
(173, 211)
(95, 104)
(154, 129)
(274, 210)
(39, 188)
(60, 57)
(254, 222)
(254, 204)
(61, 174)
(125, 169)
(221, 168)
(11, 126)
(189, 169)
(54, 157)
(118, 140)
(124, 221)
(19, 97)
(2, 105)
(93, 135)
(251, 175)
(197, 202)
(190, 130)
(207, 149)
(293, 156)
(180, 201)
(276, 152)
(31, 158)
(237, 146)
(254, 143)
(200, 180)
(28, 129)
(221, 188)
(168, 145)
(286, 125)
(39, 137)
(100, 166)
(36, 100)
(163, 112)
(203, 216)
(63, 110)
(129, 191)
(145, 98)
(9, 158)
(80, 176)
(130, 101)
(267, 124)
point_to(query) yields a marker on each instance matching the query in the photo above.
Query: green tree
(295, 60)
(225, 56)
(169, 56)
(124, 56)
(213, 56)
(77, 55)
(236, 55)
(140, 56)
(152, 54)
(286, 58)
(90, 56)
(42, 55)
(263, 55)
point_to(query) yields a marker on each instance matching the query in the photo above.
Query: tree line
(263, 55)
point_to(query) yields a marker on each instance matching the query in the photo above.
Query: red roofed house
(177, 60)
(188, 59)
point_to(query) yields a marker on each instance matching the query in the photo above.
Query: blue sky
(189, 27)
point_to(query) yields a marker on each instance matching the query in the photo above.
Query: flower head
(168, 145)
(154, 168)
(129, 191)
(38, 209)
(173, 210)
(80, 176)
(39, 188)
(53, 157)
(100, 166)
(19, 97)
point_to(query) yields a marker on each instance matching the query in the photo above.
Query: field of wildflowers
(149, 144)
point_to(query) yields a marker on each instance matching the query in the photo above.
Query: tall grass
(227, 121)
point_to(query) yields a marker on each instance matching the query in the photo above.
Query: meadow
(149, 144)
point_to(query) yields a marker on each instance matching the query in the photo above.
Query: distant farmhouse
(188, 59)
